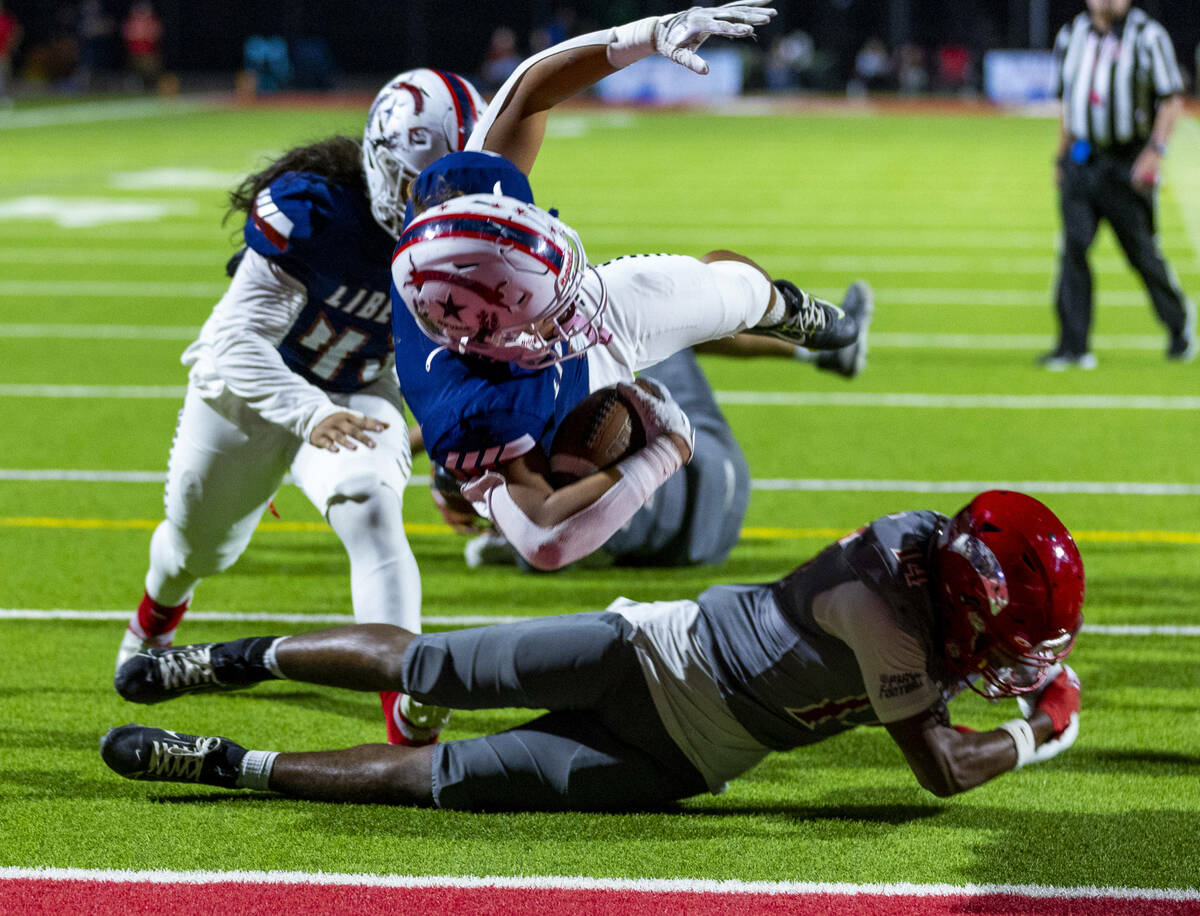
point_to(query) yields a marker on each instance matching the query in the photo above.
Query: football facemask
(495, 277)
(1011, 584)
(418, 117)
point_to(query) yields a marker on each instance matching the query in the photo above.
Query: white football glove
(657, 410)
(677, 36)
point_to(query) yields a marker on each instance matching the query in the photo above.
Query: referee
(1122, 94)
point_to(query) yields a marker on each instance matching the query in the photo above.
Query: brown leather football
(599, 431)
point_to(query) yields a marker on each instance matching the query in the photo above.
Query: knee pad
(356, 488)
(739, 279)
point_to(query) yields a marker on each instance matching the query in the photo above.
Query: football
(599, 431)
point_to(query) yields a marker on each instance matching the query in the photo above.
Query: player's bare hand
(343, 429)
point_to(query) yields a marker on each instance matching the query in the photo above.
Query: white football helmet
(419, 116)
(493, 276)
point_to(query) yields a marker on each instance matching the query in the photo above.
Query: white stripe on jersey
(269, 213)
(517, 448)
(490, 457)
(1110, 83)
(1122, 92)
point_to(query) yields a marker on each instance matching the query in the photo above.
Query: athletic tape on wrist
(629, 43)
(649, 468)
(1022, 734)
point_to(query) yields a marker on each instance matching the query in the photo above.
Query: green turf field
(107, 266)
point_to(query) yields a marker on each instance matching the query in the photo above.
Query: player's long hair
(337, 158)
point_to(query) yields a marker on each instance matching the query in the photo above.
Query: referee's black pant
(1103, 188)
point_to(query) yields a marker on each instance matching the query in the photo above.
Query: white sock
(269, 660)
(255, 771)
(776, 313)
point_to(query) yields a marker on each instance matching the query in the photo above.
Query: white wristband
(1022, 734)
(629, 43)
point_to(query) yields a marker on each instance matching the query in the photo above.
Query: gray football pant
(694, 518)
(601, 746)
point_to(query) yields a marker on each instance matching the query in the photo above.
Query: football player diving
(650, 703)
(502, 327)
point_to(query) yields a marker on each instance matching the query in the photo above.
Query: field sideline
(112, 254)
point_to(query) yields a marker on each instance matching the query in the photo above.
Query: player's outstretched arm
(947, 760)
(514, 123)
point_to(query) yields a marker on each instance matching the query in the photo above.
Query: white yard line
(745, 398)
(1009, 298)
(812, 485)
(88, 112)
(898, 341)
(100, 331)
(881, 340)
(1057, 487)
(959, 401)
(884, 295)
(452, 620)
(109, 289)
(564, 882)
(117, 392)
(69, 476)
(440, 620)
(124, 256)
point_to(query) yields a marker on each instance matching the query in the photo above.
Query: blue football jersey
(323, 234)
(476, 413)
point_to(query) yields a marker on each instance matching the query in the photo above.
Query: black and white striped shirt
(1111, 84)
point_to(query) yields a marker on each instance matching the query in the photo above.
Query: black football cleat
(810, 322)
(158, 755)
(158, 674)
(850, 360)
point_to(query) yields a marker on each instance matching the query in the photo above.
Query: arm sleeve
(577, 535)
(247, 326)
(479, 135)
(892, 661)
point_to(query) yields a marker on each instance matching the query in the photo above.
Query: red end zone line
(80, 891)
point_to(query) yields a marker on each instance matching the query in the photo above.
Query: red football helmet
(1011, 582)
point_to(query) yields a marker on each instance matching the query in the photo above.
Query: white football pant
(227, 462)
(660, 304)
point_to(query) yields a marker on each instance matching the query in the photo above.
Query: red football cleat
(409, 723)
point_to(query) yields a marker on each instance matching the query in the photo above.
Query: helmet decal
(497, 277)
(418, 117)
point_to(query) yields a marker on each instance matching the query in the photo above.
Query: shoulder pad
(292, 209)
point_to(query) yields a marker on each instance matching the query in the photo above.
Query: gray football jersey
(784, 678)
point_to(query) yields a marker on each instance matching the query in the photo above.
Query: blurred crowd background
(962, 47)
